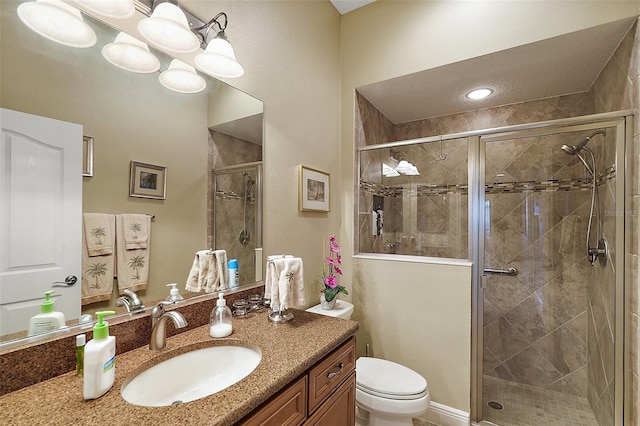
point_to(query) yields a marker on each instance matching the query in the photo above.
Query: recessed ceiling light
(479, 93)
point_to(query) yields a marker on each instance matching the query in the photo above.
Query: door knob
(68, 282)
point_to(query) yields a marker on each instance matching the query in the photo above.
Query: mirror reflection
(132, 118)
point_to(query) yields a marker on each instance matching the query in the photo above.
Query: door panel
(40, 216)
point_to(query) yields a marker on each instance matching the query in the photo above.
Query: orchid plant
(333, 264)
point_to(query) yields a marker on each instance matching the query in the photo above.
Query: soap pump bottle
(220, 321)
(48, 319)
(174, 294)
(99, 359)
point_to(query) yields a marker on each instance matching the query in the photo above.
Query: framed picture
(148, 181)
(313, 195)
(87, 156)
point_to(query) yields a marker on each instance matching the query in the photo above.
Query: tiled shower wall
(225, 150)
(618, 88)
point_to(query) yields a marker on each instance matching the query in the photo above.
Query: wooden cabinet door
(289, 408)
(339, 409)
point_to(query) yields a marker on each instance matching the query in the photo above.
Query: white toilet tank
(342, 310)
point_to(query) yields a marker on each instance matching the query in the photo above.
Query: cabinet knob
(333, 374)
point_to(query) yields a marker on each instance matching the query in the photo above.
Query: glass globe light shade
(182, 78)
(116, 9)
(219, 59)
(57, 21)
(131, 54)
(167, 28)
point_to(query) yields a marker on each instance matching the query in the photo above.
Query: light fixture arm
(204, 35)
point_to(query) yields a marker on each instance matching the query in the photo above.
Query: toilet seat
(387, 379)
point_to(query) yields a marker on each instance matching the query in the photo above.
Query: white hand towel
(98, 271)
(208, 272)
(98, 233)
(291, 283)
(275, 264)
(136, 230)
(132, 266)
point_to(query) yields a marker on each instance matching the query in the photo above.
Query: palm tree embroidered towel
(208, 272)
(132, 266)
(98, 235)
(136, 230)
(275, 264)
(98, 270)
(291, 283)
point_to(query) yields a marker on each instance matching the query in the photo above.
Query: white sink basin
(191, 375)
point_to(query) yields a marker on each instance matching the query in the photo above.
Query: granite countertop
(288, 350)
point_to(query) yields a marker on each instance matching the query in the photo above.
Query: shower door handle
(512, 272)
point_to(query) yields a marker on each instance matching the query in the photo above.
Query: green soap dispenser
(99, 359)
(48, 319)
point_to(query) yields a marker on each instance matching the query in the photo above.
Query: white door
(40, 216)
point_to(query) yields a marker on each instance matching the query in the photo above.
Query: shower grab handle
(512, 272)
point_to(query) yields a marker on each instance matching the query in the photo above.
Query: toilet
(387, 393)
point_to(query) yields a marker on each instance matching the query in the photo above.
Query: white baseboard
(443, 415)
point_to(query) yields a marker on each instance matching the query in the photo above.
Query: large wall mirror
(210, 143)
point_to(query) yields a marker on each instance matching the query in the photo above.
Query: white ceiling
(558, 66)
(346, 6)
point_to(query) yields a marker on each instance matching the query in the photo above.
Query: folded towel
(136, 230)
(208, 272)
(132, 266)
(98, 271)
(291, 283)
(98, 234)
(284, 284)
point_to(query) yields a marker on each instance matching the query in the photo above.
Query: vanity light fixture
(408, 169)
(388, 171)
(168, 29)
(218, 59)
(479, 93)
(116, 9)
(182, 78)
(57, 21)
(131, 54)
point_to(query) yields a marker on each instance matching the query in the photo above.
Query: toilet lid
(386, 378)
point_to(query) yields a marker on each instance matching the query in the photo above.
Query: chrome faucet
(130, 301)
(159, 325)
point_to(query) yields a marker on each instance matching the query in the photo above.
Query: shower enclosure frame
(256, 167)
(622, 121)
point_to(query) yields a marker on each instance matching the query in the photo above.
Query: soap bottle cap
(174, 291)
(80, 340)
(221, 301)
(101, 329)
(47, 305)
(233, 264)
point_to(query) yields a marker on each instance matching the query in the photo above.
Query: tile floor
(529, 406)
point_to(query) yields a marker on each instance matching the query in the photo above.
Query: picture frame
(313, 190)
(148, 181)
(87, 156)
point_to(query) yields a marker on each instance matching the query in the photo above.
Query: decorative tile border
(549, 185)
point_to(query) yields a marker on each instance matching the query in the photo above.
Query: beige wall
(291, 54)
(421, 320)
(388, 39)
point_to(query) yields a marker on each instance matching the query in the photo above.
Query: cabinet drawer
(285, 409)
(340, 408)
(326, 376)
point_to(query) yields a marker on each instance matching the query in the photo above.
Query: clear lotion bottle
(220, 320)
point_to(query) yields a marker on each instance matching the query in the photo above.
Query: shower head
(575, 149)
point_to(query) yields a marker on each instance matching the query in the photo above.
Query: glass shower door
(237, 217)
(549, 315)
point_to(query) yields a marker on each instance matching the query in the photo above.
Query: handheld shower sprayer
(602, 249)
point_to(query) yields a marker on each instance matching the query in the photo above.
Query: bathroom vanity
(306, 376)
